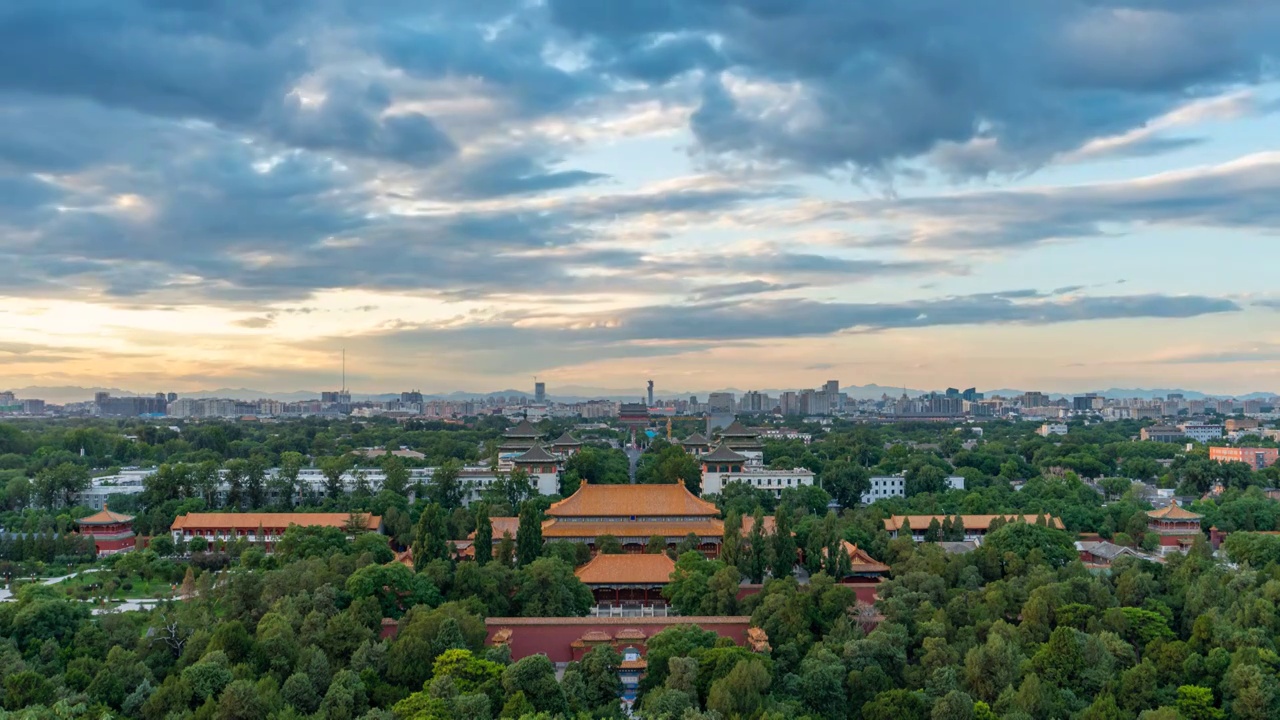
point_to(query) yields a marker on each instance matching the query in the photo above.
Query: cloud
(257, 322)
(828, 85)
(748, 287)
(1262, 352)
(663, 330)
(1236, 194)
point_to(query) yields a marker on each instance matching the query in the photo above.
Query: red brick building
(1255, 457)
(111, 532)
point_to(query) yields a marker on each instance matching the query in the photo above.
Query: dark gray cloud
(872, 83)
(748, 287)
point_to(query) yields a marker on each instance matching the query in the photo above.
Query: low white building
(129, 481)
(1048, 429)
(887, 486)
(723, 466)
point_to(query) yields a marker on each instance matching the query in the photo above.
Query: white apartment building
(1201, 432)
(885, 487)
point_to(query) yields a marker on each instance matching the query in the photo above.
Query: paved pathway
(6, 594)
(633, 457)
(131, 604)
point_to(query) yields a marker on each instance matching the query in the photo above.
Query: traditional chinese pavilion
(519, 439)
(742, 440)
(111, 532)
(621, 579)
(696, 444)
(566, 445)
(633, 514)
(1177, 527)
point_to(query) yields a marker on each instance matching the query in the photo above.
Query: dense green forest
(1016, 629)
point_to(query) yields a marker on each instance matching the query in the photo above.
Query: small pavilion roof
(535, 454)
(1173, 511)
(524, 429)
(105, 517)
(566, 439)
(695, 439)
(722, 453)
(860, 561)
(738, 430)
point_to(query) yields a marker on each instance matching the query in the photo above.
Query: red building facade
(1256, 458)
(564, 640)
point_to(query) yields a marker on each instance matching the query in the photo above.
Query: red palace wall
(113, 546)
(552, 636)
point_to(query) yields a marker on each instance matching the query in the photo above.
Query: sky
(710, 193)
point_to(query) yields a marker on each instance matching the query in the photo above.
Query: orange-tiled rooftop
(105, 517)
(627, 570)
(251, 521)
(619, 528)
(592, 500)
(1173, 511)
(860, 561)
(971, 522)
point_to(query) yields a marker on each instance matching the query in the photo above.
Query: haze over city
(1072, 197)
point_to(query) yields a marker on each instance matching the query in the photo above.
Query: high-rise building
(832, 387)
(171, 397)
(720, 403)
(650, 393)
(1087, 402)
(1034, 399)
(539, 392)
(129, 406)
(413, 396)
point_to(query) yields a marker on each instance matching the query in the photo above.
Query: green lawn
(92, 585)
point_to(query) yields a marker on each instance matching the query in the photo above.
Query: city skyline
(714, 196)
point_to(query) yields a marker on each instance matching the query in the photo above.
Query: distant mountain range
(578, 393)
